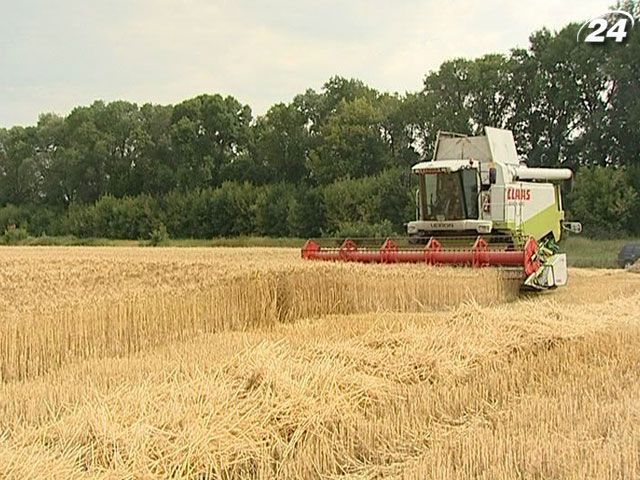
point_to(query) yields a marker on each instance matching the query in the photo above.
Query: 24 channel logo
(614, 24)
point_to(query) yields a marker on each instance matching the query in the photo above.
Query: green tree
(208, 133)
(339, 89)
(396, 129)
(489, 98)
(20, 169)
(81, 160)
(232, 209)
(448, 91)
(307, 213)
(559, 100)
(155, 168)
(375, 200)
(282, 143)
(125, 140)
(623, 114)
(272, 210)
(441, 105)
(351, 144)
(604, 201)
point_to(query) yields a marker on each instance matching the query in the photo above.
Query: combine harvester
(477, 205)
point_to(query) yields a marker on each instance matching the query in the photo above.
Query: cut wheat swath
(477, 392)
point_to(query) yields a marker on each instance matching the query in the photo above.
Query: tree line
(333, 161)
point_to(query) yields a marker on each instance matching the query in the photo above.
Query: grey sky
(55, 55)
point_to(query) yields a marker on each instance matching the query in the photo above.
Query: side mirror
(493, 175)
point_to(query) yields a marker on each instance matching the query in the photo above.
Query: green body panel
(543, 223)
(539, 226)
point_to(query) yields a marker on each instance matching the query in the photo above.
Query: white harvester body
(478, 186)
(477, 205)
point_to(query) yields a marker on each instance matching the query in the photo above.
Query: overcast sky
(55, 55)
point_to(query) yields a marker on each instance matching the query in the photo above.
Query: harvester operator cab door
(449, 195)
(470, 192)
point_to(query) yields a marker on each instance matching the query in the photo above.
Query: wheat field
(250, 363)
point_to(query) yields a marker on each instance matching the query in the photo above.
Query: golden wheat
(527, 389)
(201, 364)
(65, 304)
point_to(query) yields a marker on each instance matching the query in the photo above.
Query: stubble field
(249, 363)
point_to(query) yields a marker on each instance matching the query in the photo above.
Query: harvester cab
(477, 205)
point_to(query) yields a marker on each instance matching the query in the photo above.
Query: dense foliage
(333, 161)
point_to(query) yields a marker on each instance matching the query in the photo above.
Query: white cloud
(54, 57)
